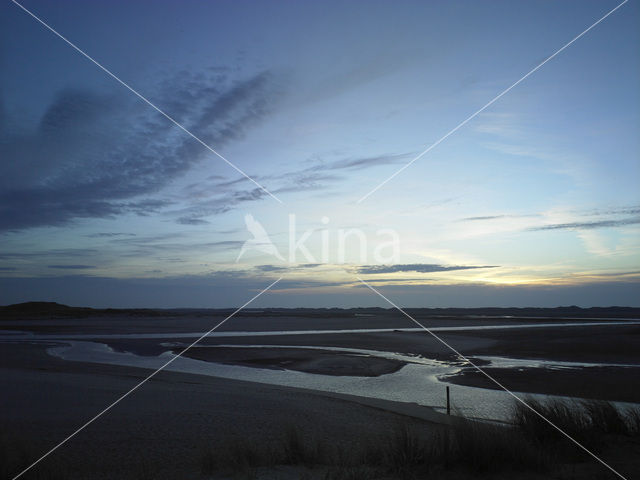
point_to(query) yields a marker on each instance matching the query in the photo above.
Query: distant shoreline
(56, 310)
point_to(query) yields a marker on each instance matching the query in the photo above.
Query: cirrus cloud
(97, 155)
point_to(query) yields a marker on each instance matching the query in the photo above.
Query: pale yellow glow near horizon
(345, 276)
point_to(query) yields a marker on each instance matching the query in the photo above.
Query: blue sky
(533, 202)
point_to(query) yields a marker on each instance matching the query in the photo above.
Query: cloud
(417, 267)
(97, 155)
(501, 124)
(109, 235)
(587, 225)
(367, 162)
(168, 244)
(577, 219)
(320, 168)
(311, 176)
(56, 252)
(400, 281)
(495, 217)
(195, 213)
(628, 210)
(287, 268)
(71, 267)
(271, 268)
(216, 195)
(488, 217)
(619, 275)
(191, 221)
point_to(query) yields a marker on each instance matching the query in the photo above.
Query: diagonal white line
(491, 378)
(129, 392)
(144, 99)
(487, 105)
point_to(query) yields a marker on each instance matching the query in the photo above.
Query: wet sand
(302, 360)
(601, 383)
(612, 345)
(609, 344)
(163, 426)
(172, 322)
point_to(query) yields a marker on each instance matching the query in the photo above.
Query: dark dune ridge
(57, 310)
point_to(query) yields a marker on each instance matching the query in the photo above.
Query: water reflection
(419, 381)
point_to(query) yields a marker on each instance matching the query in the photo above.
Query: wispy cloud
(495, 217)
(587, 225)
(110, 235)
(628, 210)
(222, 201)
(52, 253)
(319, 170)
(286, 268)
(565, 219)
(498, 123)
(71, 267)
(216, 195)
(193, 220)
(417, 267)
(95, 155)
(169, 244)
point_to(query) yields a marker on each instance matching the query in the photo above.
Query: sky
(294, 157)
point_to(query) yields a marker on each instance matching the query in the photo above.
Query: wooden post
(448, 402)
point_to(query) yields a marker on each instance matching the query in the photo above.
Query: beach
(261, 375)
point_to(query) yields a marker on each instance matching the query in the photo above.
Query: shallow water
(416, 382)
(422, 380)
(507, 362)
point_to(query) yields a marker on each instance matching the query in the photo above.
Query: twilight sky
(533, 202)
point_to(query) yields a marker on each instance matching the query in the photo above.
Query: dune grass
(528, 444)
(589, 422)
(409, 450)
(405, 451)
(633, 421)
